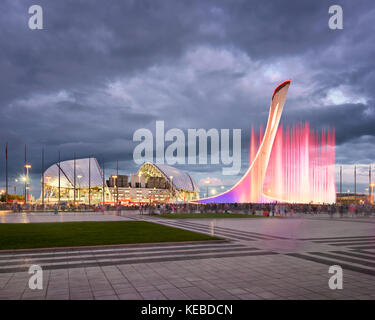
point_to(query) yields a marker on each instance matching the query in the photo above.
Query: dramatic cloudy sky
(102, 69)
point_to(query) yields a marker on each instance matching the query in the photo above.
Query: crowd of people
(271, 209)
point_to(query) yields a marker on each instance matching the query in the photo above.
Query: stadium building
(75, 180)
(82, 181)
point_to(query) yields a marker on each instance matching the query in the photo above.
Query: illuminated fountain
(301, 166)
(294, 165)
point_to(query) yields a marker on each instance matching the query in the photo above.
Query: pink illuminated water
(301, 166)
(300, 169)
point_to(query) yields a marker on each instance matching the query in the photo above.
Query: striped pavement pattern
(226, 233)
(98, 256)
(351, 256)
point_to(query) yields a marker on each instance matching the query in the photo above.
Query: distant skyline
(97, 72)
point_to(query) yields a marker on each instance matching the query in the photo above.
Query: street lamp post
(103, 183)
(89, 181)
(74, 179)
(23, 178)
(114, 177)
(117, 183)
(27, 184)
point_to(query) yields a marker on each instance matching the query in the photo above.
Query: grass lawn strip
(71, 234)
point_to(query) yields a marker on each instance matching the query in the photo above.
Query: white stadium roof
(181, 180)
(51, 175)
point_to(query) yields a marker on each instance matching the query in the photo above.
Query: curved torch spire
(249, 187)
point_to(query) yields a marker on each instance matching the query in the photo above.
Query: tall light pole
(6, 172)
(340, 179)
(355, 181)
(114, 177)
(25, 175)
(59, 177)
(24, 191)
(27, 184)
(117, 183)
(74, 179)
(89, 181)
(103, 182)
(43, 177)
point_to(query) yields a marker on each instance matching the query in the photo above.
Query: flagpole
(59, 173)
(103, 182)
(355, 180)
(6, 172)
(340, 179)
(25, 178)
(43, 177)
(74, 179)
(117, 182)
(89, 181)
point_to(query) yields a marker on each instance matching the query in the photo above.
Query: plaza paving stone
(263, 259)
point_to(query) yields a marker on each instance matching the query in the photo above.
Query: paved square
(264, 259)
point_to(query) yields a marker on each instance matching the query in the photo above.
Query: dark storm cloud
(99, 71)
(350, 121)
